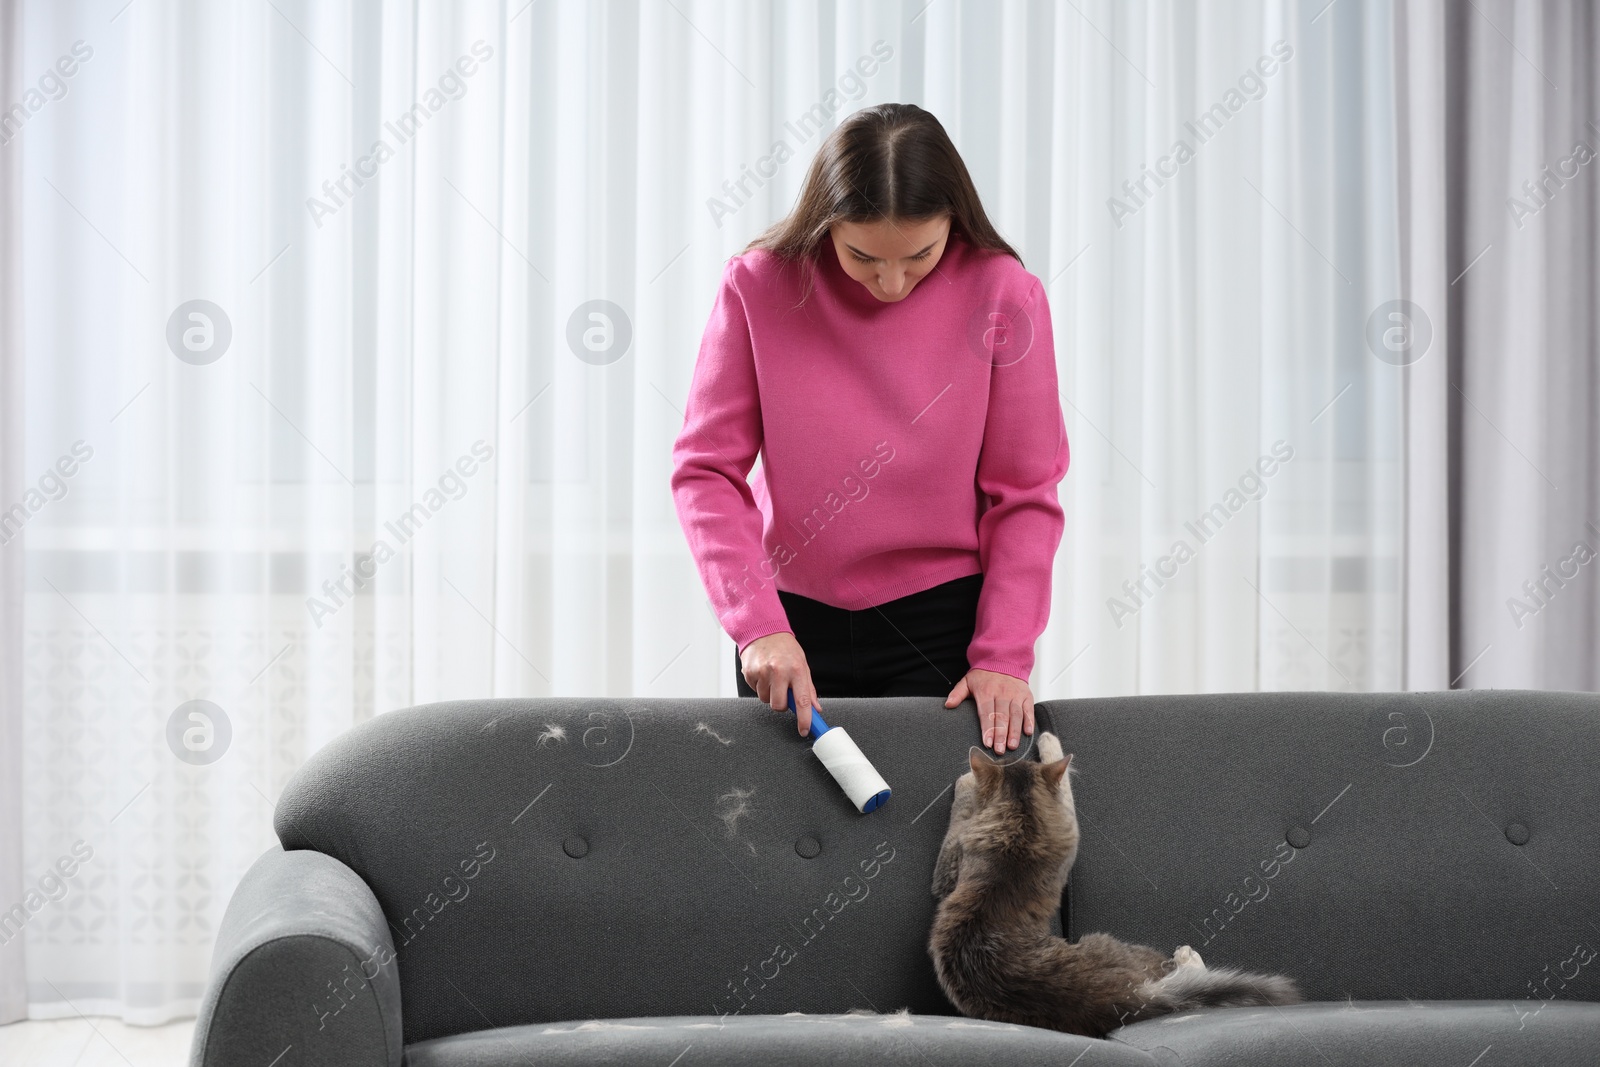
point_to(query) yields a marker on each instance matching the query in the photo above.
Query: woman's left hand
(1005, 706)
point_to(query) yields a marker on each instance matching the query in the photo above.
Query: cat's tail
(1188, 988)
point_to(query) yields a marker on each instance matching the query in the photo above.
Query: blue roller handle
(818, 727)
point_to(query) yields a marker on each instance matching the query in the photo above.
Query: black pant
(915, 645)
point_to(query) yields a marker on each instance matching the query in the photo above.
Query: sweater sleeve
(711, 458)
(1022, 461)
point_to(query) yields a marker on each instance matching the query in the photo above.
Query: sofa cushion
(1376, 846)
(774, 1041)
(1504, 1033)
(572, 858)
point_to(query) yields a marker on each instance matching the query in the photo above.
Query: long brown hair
(888, 161)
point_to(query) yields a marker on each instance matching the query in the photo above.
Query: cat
(1012, 840)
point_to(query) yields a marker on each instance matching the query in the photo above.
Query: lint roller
(864, 786)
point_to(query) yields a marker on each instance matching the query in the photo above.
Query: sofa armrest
(303, 960)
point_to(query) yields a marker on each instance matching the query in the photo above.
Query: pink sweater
(897, 453)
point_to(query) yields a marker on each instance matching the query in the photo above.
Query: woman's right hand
(775, 664)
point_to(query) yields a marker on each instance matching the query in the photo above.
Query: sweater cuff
(747, 630)
(1017, 667)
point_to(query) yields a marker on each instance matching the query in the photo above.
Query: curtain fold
(364, 331)
(1422, 139)
(13, 948)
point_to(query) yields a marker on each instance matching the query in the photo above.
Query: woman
(889, 357)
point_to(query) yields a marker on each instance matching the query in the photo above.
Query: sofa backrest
(1421, 845)
(553, 859)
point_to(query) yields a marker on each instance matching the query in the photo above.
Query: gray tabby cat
(1012, 839)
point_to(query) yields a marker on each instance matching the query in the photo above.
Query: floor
(94, 1042)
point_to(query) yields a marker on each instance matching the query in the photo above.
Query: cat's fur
(1013, 837)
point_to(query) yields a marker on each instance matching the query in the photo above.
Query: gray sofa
(679, 883)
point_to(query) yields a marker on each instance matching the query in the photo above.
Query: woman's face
(890, 256)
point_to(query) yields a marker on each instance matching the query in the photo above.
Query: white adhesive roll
(860, 782)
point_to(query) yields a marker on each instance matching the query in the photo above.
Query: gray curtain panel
(1523, 173)
(1498, 175)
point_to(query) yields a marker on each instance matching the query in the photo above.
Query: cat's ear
(1053, 771)
(982, 765)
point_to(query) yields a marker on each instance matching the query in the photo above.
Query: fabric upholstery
(1409, 883)
(303, 968)
(775, 1041)
(573, 880)
(645, 857)
(1375, 1034)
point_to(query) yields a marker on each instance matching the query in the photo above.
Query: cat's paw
(1049, 747)
(1188, 957)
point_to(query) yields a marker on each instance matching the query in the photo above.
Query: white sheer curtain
(13, 987)
(418, 389)
(1221, 318)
